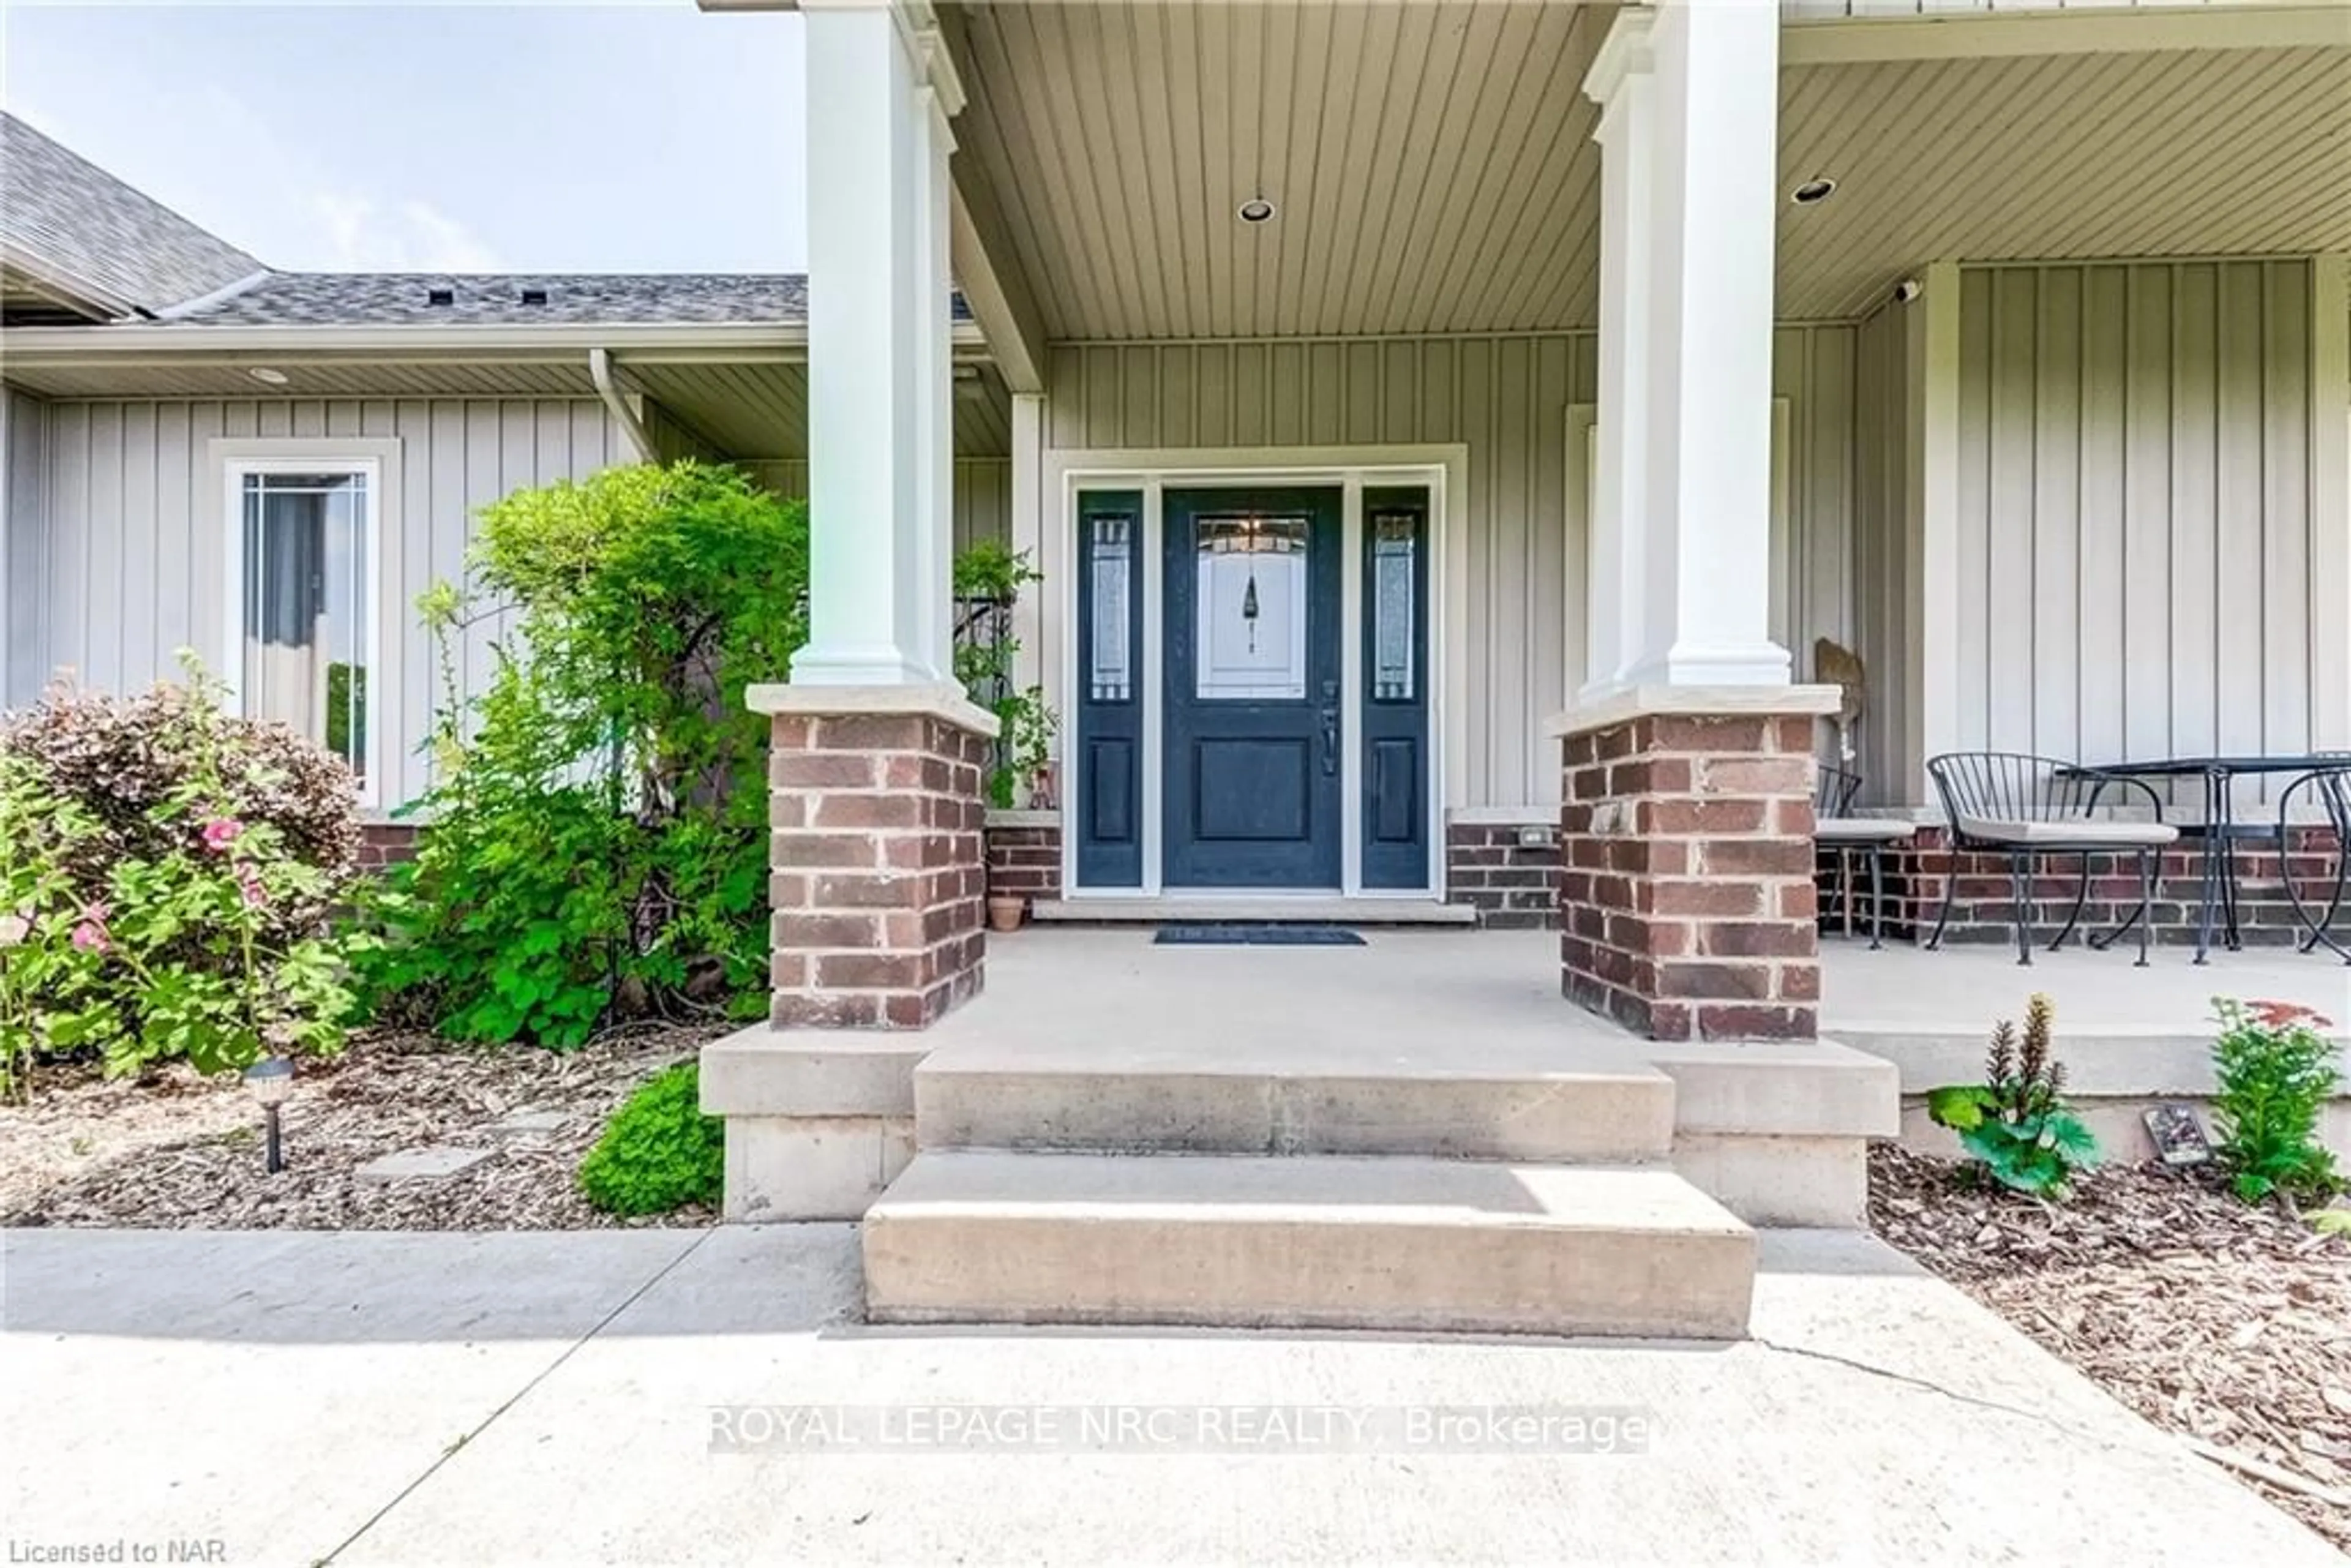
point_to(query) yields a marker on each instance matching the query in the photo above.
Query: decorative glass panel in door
(1252, 608)
(1395, 786)
(1104, 804)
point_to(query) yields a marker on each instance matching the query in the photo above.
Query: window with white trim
(306, 534)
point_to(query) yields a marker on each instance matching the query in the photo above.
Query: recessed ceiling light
(1256, 210)
(266, 376)
(1816, 189)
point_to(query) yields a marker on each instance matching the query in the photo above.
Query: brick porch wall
(1687, 902)
(384, 844)
(879, 873)
(1915, 879)
(1512, 885)
(1024, 858)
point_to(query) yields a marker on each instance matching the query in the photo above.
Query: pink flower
(249, 888)
(221, 832)
(14, 928)
(90, 936)
(2285, 1015)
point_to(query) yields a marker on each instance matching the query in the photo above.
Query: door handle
(1330, 717)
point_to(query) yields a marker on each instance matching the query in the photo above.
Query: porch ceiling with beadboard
(1434, 170)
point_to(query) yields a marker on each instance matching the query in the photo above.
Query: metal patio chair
(2332, 789)
(1835, 830)
(2026, 807)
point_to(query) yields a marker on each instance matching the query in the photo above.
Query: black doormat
(1257, 935)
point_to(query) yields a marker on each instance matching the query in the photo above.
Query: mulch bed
(2229, 1325)
(179, 1151)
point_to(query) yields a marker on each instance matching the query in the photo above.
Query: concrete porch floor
(1411, 1000)
(1906, 990)
(1411, 991)
(1416, 989)
(2128, 1037)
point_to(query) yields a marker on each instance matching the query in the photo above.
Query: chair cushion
(1862, 830)
(2096, 832)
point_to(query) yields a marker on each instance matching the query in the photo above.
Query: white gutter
(733, 343)
(567, 338)
(55, 283)
(600, 371)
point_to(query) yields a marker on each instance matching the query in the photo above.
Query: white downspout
(600, 371)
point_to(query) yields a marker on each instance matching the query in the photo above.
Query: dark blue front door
(1254, 708)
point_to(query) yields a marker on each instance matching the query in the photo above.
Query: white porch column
(1035, 665)
(1622, 83)
(1704, 531)
(1931, 504)
(1686, 898)
(880, 466)
(933, 304)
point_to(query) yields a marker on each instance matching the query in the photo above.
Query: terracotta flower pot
(1005, 911)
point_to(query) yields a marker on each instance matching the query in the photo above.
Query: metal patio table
(2219, 826)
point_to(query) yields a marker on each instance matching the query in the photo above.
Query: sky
(522, 137)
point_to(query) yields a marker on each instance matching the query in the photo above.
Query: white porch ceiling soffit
(1433, 170)
(743, 389)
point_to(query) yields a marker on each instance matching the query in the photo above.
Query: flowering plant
(184, 930)
(2274, 1071)
(44, 971)
(2017, 1120)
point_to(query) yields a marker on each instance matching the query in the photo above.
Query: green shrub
(659, 1152)
(347, 716)
(166, 875)
(2274, 1073)
(599, 842)
(126, 760)
(2016, 1122)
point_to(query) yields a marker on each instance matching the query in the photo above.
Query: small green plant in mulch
(2016, 1122)
(2273, 1073)
(659, 1152)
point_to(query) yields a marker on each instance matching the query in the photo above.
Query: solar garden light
(271, 1079)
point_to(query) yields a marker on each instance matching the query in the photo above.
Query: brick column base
(880, 873)
(1687, 905)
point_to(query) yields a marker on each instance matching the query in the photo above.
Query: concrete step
(1327, 1242)
(1295, 1092)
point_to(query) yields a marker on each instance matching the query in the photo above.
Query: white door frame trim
(1444, 469)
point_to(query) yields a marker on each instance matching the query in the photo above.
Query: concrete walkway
(549, 1398)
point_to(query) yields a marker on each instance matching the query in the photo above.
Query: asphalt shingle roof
(98, 232)
(93, 228)
(422, 300)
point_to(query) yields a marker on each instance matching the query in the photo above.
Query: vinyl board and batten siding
(983, 492)
(1506, 398)
(23, 434)
(132, 540)
(672, 437)
(2137, 537)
